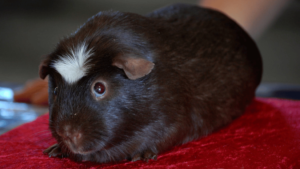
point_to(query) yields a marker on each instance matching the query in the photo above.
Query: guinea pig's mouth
(78, 149)
(82, 152)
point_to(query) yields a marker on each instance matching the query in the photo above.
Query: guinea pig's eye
(99, 89)
(55, 91)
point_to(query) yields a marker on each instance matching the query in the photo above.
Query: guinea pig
(129, 87)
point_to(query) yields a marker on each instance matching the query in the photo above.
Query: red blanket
(266, 136)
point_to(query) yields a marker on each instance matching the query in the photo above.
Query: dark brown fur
(206, 70)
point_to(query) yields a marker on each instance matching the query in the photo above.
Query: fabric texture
(266, 136)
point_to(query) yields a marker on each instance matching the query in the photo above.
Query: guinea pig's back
(206, 31)
(215, 59)
(208, 42)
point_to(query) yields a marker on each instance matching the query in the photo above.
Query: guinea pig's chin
(80, 151)
(83, 152)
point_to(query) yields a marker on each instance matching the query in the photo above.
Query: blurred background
(30, 29)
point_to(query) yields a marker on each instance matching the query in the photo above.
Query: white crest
(72, 66)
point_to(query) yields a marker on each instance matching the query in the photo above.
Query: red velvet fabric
(266, 136)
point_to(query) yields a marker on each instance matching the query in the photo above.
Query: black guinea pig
(126, 86)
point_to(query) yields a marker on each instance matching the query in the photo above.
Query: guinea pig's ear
(133, 67)
(44, 68)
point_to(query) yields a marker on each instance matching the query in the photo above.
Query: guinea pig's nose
(71, 135)
(74, 137)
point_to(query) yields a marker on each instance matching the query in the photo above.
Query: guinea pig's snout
(71, 137)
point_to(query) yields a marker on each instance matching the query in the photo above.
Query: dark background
(31, 28)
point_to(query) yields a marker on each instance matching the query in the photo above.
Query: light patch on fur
(72, 66)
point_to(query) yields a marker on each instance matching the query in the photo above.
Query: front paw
(145, 156)
(54, 151)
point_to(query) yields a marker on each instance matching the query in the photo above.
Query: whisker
(111, 158)
(46, 139)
